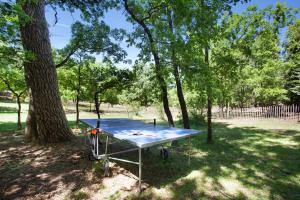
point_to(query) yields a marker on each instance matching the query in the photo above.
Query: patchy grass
(242, 163)
(248, 160)
(9, 126)
(8, 110)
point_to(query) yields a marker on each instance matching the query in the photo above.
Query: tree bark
(78, 93)
(97, 105)
(19, 112)
(158, 71)
(31, 132)
(184, 112)
(48, 117)
(209, 102)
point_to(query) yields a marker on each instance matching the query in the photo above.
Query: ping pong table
(141, 135)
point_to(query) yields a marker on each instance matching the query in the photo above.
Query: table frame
(109, 156)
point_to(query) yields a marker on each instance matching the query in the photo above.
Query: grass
(242, 163)
(9, 126)
(248, 160)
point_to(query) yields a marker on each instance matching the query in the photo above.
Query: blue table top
(139, 133)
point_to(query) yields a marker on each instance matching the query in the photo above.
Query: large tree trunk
(19, 112)
(158, 71)
(209, 103)
(49, 117)
(31, 132)
(184, 112)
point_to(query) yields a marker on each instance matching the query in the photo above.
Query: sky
(60, 33)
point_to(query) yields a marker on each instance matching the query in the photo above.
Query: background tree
(12, 55)
(141, 13)
(143, 89)
(103, 77)
(293, 58)
(12, 78)
(46, 122)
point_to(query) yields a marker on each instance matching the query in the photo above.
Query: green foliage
(11, 51)
(293, 58)
(143, 89)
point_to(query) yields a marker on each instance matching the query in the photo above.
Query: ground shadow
(257, 158)
(8, 110)
(263, 160)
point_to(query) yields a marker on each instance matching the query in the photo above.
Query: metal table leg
(140, 169)
(189, 151)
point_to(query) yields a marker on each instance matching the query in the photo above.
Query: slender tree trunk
(97, 105)
(19, 112)
(49, 117)
(184, 112)
(164, 90)
(209, 102)
(77, 110)
(209, 123)
(227, 109)
(158, 71)
(78, 93)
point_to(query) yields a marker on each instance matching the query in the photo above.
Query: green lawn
(244, 162)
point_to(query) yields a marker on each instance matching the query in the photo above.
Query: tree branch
(8, 86)
(139, 21)
(151, 11)
(64, 61)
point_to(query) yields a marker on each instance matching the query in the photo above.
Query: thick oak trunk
(47, 119)
(31, 132)
(209, 103)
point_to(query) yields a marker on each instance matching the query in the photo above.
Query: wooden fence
(280, 111)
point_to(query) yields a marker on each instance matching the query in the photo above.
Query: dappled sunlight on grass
(244, 162)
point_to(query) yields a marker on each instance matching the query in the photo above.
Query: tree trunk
(97, 106)
(78, 93)
(209, 124)
(77, 109)
(19, 112)
(184, 112)
(227, 109)
(158, 71)
(49, 117)
(31, 132)
(164, 90)
(209, 102)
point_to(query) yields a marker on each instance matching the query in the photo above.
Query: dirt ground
(60, 171)
(249, 159)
